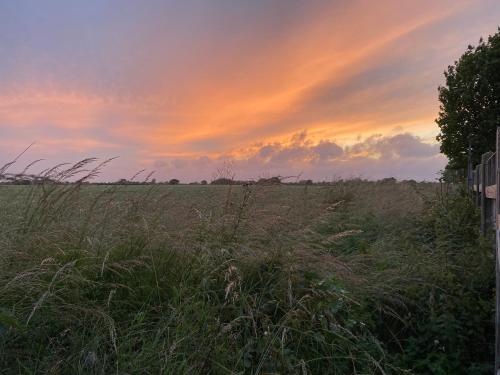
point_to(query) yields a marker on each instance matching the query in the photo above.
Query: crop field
(355, 277)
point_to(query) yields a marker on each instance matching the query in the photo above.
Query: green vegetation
(353, 278)
(470, 110)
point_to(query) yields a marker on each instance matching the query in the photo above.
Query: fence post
(483, 193)
(470, 178)
(497, 257)
(478, 182)
(485, 205)
(473, 192)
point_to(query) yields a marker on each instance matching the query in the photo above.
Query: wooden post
(473, 187)
(470, 178)
(490, 179)
(483, 193)
(484, 199)
(497, 257)
(478, 183)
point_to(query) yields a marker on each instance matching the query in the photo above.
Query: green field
(355, 277)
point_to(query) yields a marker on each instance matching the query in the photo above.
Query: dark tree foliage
(222, 181)
(470, 103)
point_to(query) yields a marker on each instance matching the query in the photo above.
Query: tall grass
(238, 280)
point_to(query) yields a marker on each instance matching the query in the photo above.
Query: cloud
(299, 149)
(403, 156)
(267, 151)
(327, 150)
(393, 147)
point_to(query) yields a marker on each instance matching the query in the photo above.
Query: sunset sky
(324, 89)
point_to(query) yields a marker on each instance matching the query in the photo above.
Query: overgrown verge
(450, 315)
(428, 281)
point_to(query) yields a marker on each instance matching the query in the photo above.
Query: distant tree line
(275, 180)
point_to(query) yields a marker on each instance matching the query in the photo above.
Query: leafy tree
(269, 181)
(174, 181)
(222, 181)
(470, 103)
